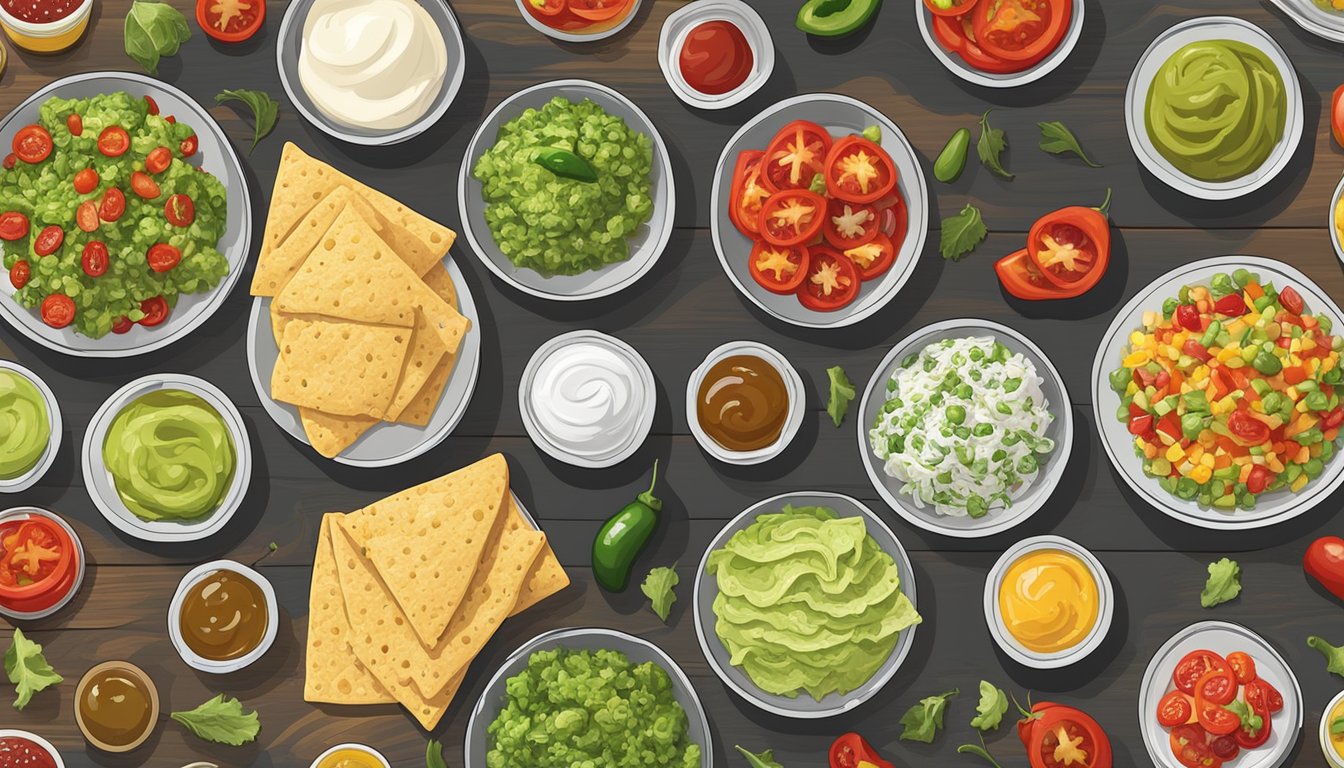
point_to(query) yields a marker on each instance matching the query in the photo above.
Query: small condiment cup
(10, 733)
(1335, 235)
(29, 479)
(132, 671)
(24, 513)
(793, 384)
(51, 37)
(1327, 748)
(679, 26)
(999, 630)
(370, 751)
(216, 667)
(579, 37)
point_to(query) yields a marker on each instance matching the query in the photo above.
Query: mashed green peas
(561, 226)
(590, 709)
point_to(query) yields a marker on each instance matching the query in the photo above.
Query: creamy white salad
(963, 426)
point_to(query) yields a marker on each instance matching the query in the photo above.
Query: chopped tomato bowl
(1218, 707)
(580, 16)
(1230, 392)
(1001, 36)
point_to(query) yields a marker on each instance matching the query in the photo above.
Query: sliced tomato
(1193, 666)
(1291, 300)
(1065, 253)
(832, 281)
(151, 105)
(597, 10)
(547, 7)
(32, 144)
(1225, 747)
(954, 7)
(114, 141)
(13, 226)
(155, 311)
(35, 556)
(1261, 695)
(1217, 686)
(747, 194)
(20, 274)
(1020, 277)
(859, 171)
(86, 181)
(229, 21)
(86, 216)
(778, 268)
(1247, 429)
(1216, 719)
(49, 240)
(795, 155)
(179, 210)
(189, 145)
(162, 257)
(143, 186)
(850, 224)
(94, 259)
(1243, 666)
(1189, 743)
(958, 36)
(1259, 479)
(122, 325)
(75, 124)
(1174, 709)
(58, 310)
(873, 258)
(1232, 305)
(113, 205)
(10, 161)
(792, 216)
(1021, 30)
(1064, 737)
(1187, 316)
(158, 159)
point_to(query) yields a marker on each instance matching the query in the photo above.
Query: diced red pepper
(1196, 350)
(1232, 305)
(1140, 425)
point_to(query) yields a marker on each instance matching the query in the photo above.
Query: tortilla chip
(426, 350)
(329, 434)
(345, 369)
(422, 407)
(284, 260)
(441, 283)
(546, 576)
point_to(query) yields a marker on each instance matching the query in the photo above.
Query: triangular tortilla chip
(441, 283)
(546, 576)
(284, 260)
(347, 369)
(329, 435)
(426, 350)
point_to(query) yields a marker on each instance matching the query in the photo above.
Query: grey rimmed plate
(1314, 19)
(386, 443)
(1336, 238)
(958, 66)
(214, 155)
(647, 243)
(803, 706)
(840, 115)
(999, 519)
(639, 651)
(1271, 508)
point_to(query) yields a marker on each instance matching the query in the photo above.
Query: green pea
(1027, 464)
(977, 354)
(965, 391)
(1120, 378)
(1186, 488)
(944, 478)
(955, 414)
(1011, 385)
(1267, 362)
(1241, 277)
(1314, 468)
(983, 430)
(952, 160)
(976, 506)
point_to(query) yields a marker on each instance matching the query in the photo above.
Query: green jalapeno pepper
(624, 536)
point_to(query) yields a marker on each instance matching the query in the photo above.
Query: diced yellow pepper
(1135, 359)
(1201, 474)
(1131, 388)
(1300, 482)
(1137, 338)
(1175, 453)
(1195, 453)
(1206, 460)
(1229, 352)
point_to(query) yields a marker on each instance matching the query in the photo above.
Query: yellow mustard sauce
(1049, 601)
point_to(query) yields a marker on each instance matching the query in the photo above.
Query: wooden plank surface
(675, 316)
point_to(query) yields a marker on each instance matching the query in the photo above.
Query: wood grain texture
(684, 308)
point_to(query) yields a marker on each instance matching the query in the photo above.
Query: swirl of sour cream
(586, 399)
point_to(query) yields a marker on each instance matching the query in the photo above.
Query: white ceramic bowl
(370, 751)
(579, 37)
(684, 20)
(1327, 749)
(1313, 19)
(38, 740)
(29, 479)
(1271, 508)
(1136, 97)
(103, 490)
(647, 406)
(1335, 236)
(647, 242)
(958, 66)
(25, 513)
(191, 579)
(999, 630)
(793, 384)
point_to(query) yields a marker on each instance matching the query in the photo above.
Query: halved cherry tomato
(1337, 115)
(1246, 428)
(32, 144)
(872, 258)
(10, 161)
(1291, 300)
(1243, 666)
(792, 216)
(13, 226)
(955, 8)
(1232, 305)
(795, 155)
(1174, 709)
(48, 240)
(158, 159)
(1217, 686)
(179, 210)
(86, 216)
(162, 257)
(1225, 747)
(1261, 695)
(94, 259)
(86, 181)
(144, 186)
(778, 268)
(1259, 479)
(122, 325)
(75, 124)
(832, 281)
(1189, 743)
(1187, 315)
(20, 273)
(1216, 719)
(113, 205)
(58, 310)
(850, 224)
(1193, 348)
(859, 171)
(1021, 30)
(1193, 666)
(114, 141)
(1247, 739)
(229, 21)
(189, 145)
(547, 7)
(155, 311)
(748, 194)
(597, 10)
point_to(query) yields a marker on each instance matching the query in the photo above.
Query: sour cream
(373, 64)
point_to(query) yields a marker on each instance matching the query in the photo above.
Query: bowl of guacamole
(30, 427)
(805, 604)
(167, 458)
(1214, 108)
(566, 191)
(588, 696)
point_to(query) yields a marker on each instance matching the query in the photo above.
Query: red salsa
(40, 11)
(18, 752)
(38, 563)
(716, 57)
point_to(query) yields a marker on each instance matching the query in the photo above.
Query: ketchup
(40, 11)
(716, 57)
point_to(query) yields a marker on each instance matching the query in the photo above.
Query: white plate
(29, 479)
(684, 20)
(1314, 19)
(579, 37)
(1270, 508)
(215, 155)
(476, 743)
(1221, 637)
(1335, 202)
(999, 519)
(648, 406)
(290, 44)
(803, 706)
(103, 490)
(1136, 97)
(386, 443)
(647, 243)
(998, 629)
(958, 66)
(191, 579)
(840, 115)
(27, 513)
(38, 740)
(793, 384)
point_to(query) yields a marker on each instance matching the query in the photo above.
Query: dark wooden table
(674, 316)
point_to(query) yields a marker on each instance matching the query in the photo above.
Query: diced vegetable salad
(1230, 391)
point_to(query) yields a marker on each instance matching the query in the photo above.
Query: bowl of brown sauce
(744, 403)
(116, 706)
(223, 617)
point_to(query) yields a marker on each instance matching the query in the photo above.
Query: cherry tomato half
(155, 311)
(75, 124)
(48, 240)
(143, 186)
(1291, 300)
(86, 216)
(122, 325)
(188, 146)
(86, 181)
(832, 281)
(179, 210)
(32, 144)
(158, 159)
(779, 268)
(13, 226)
(859, 171)
(1246, 428)
(94, 259)
(113, 205)
(20, 273)
(114, 141)
(58, 310)
(162, 257)
(1243, 666)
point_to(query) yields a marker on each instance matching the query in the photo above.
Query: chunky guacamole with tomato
(103, 221)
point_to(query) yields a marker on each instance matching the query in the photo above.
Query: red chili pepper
(851, 749)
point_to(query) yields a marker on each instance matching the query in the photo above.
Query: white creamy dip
(587, 399)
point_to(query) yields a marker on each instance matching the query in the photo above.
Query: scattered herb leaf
(961, 233)
(1057, 139)
(1223, 585)
(434, 755)
(660, 587)
(153, 30)
(842, 392)
(991, 709)
(923, 721)
(221, 720)
(765, 759)
(978, 750)
(1250, 722)
(27, 669)
(265, 109)
(991, 145)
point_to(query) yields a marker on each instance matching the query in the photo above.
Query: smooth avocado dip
(25, 427)
(808, 601)
(171, 456)
(1216, 109)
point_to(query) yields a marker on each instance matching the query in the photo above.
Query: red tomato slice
(1020, 277)
(229, 21)
(1217, 686)
(1065, 253)
(748, 194)
(1225, 747)
(155, 311)
(547, 7)
(158, 159)
(1243, 666)
(1189, 743)
(13, 226)
(1247, 429)
(86, 181)
(1174, 709)
(1021, 30)
(1068, 738)
(1193, 666)
(122, 325)
(162, 257)
(1216, 719)
(58, 310)
(113, 205)
(859, 171)
(114, 141)
(791, 217)
(179, 210)
(872, 258)
(86, 216)
(597, 10)
(850, 224)
(94, 259)
(144, 186)
(75, 124)
(796, 154)
(778, 268)
(1291, 300)
(188, 146)
(1261, 695)
(32, 144)
(20, 273)
(48, 240)
(1187, 315)
(832, 281)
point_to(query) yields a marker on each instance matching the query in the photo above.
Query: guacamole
(808, 601)
(25, 427)
(1216, 109)
(558, 225)
(575, 709)
(171, 456)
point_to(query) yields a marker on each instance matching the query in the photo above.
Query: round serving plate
(579, 37)
(1335, 234)
(958, 66)
(1314, 19)
(31, 477)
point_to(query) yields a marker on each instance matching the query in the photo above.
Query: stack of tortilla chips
(408, 590)
(363, 309)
